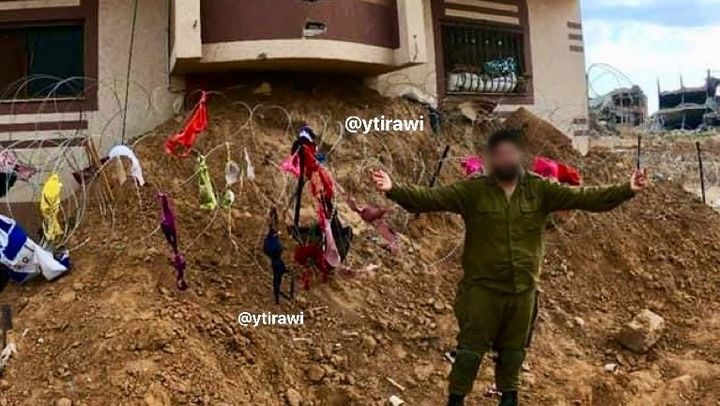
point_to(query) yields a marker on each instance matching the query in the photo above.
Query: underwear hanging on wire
(208, 200)
(473, 165)
(311, 258)
(50, 201)
(375, 216)
(9, 162)
(135, 169)
(272, 247)
(181, 144)
(557, 171)
(167, 225)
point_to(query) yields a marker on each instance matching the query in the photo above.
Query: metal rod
(639, 151)
(439, 166)
(129, 67)
(702, 173)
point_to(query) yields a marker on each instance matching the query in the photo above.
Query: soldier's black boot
(456, 400)
(509, 399)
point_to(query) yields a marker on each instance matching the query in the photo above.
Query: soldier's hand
(382, 180)
(638, 180)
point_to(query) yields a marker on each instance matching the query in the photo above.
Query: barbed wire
(246, 122)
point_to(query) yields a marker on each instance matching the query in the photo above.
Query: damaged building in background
(689, 108)
(621, 107)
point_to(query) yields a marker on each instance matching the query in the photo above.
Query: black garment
(4, 277)
(7, 181)
(509, 399)
(456, 400)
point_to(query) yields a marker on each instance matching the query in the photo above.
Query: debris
(63, 402)
(468, 110)
(611, 367)
(396, 401)
(293, 397)
(492, 391)
(315, 373)
(423, 371)
(395, 384)
(450, 356)
(625, 106)
(642, 332)
(6, 353)
(415, 94)
(688, 108)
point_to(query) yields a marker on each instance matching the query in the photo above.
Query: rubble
(688, 108)
(640, 334)
(396, 401)
(626, 106)
(293, 397)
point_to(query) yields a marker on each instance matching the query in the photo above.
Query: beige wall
(150, 104)
(150, 98)
(559, 72)
(419, 78)
(189, 55)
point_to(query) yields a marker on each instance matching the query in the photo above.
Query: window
(484, 59)
(42, 61)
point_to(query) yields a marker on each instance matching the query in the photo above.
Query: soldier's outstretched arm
(596, 199)
(420, 199)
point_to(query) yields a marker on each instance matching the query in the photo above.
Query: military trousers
(491, 320)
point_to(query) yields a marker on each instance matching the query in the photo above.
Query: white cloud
(646, 52)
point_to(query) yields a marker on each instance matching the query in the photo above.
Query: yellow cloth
(50, 208)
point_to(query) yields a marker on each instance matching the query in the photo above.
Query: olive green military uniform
(502, 255)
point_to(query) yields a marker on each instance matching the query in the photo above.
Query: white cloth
(23, 255)
(135, 170)
(250, 170)
(6, 353)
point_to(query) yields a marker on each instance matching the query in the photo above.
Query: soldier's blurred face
(505, 160)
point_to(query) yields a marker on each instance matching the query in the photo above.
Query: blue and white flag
(23, 257)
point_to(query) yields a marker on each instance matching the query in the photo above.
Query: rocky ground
(117, 332)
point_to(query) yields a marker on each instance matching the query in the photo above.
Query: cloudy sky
(647, 40)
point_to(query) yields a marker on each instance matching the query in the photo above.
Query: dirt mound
(542, 138)
(116, 331)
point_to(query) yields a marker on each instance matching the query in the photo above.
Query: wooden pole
(95, 162)
(639, 152)
(702, 173)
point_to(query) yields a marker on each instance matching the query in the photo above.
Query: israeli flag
(24, 258)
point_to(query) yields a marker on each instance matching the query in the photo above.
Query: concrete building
(65, 62)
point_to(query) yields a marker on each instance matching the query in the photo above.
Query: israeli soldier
(505, 213)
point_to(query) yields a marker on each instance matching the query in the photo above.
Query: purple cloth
(167, 224)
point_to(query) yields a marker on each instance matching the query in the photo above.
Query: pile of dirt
(116, 331)
(542, 138)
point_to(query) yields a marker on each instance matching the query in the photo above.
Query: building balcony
(348, 36)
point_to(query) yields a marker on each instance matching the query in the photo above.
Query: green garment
(491, 320)
(208, 200)
(503, 237)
